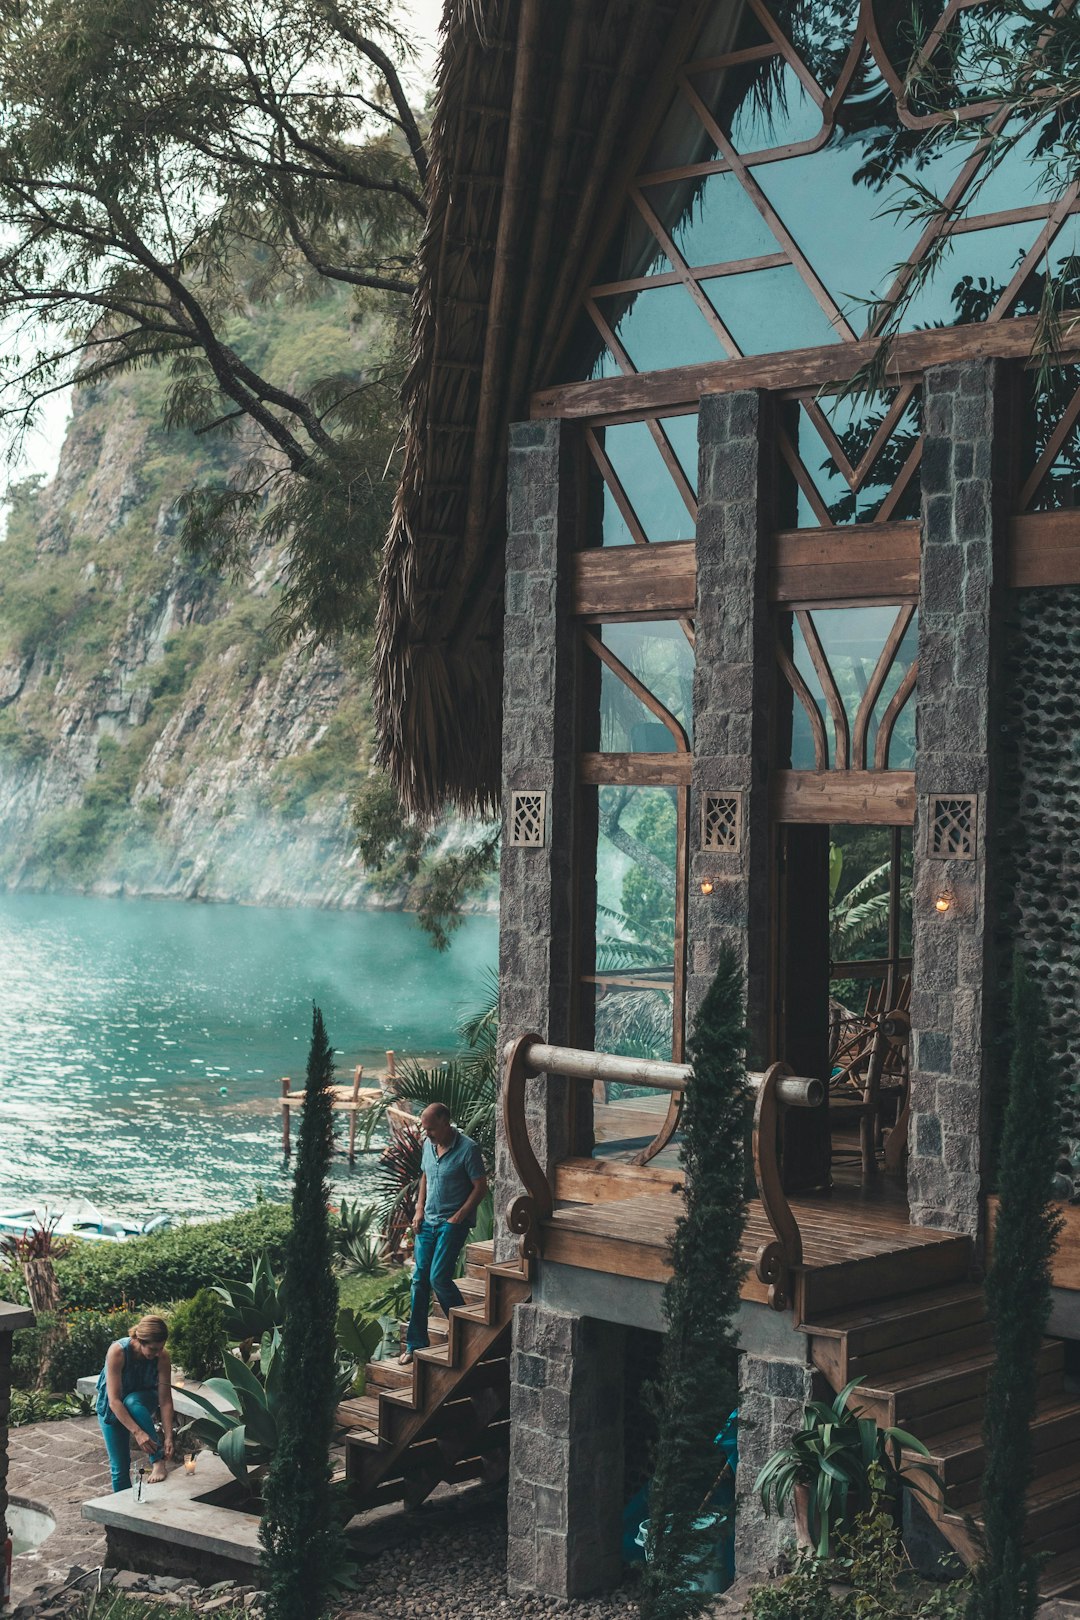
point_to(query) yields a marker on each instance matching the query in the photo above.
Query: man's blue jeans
(118, 1439)
(435, 1254)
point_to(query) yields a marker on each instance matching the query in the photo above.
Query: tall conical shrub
(698, 1382)
(299, 1533)
(1018, 1298)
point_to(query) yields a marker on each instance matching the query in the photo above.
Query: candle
(189, 1464)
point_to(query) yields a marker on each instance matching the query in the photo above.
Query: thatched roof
(537, 118)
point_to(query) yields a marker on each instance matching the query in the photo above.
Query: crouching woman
(134, 1389)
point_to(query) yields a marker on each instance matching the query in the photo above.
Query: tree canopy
(168, 172)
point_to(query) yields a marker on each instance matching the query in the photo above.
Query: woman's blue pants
(118, 1439)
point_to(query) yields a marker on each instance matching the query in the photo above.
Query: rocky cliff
(155, 738)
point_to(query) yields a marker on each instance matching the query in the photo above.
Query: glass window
(660, 656)
(637, 838)
(767, 311)
(855, 420)
(714, 220)
(901, 754)
(646, 481)
(661, 328)
(852, 640)
(760, 105)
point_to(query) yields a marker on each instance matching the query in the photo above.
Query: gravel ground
(452, 1566)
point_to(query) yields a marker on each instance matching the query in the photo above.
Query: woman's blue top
(138, 1376)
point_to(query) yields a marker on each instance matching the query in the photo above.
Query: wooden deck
(856, 1244)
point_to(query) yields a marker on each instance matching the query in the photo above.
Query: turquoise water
(122, 1022)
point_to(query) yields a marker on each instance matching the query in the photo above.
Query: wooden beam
(872, 561)
(645, 582)
(910, 353)
(1045, 549)
(646, 770)
(851, 798)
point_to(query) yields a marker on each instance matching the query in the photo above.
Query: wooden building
(697, 615)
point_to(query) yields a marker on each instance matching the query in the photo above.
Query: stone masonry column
(772, 1395)
(538, 752)
(965, 487)
(566, 1454)
(734, 685)
(11, 1318)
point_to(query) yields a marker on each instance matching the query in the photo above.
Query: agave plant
(245, 1434)
(835, 1460)
(359, 1245)
(253, 1308)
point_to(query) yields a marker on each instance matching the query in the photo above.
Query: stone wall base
(772, 1395)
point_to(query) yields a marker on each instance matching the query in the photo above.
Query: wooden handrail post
(525, 1212)
(774, 1261)
(355, 1106)
(286, 1145)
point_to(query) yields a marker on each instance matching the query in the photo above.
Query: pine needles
(300, 1534)
(698, 1384)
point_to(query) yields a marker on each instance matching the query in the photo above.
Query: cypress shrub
(300, 1536)
(1018, 1299)
(197, 1334)
(698, 1383)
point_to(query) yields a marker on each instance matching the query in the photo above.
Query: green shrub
(197, 1334)
(34, 1406)
(80, 1350)
(26, 1348)
(173, 1264)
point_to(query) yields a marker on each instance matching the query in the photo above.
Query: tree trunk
(44, 1295)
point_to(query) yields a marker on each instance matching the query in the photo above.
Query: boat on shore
(84, 1221)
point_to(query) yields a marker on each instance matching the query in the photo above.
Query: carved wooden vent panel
(951, 826)
(721, 823)
(528, 819)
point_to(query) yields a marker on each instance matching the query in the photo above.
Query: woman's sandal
(405, 1359)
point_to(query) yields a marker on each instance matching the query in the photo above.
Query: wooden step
(932, 1397)
(830, 1288)
(960, 1457)
(361, 1412)
(387, 1374)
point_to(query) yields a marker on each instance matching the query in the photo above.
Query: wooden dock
(354, 1099)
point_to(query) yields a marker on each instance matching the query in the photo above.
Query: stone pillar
(734, 686)
(538, 754)
(566, 1454)
(772, 1395)
(11, 1318)
(965, 485)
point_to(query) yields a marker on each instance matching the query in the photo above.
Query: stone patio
(57, 1466)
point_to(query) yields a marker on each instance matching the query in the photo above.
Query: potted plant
(826, 1470)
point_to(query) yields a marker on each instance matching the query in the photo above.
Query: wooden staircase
(924, 1353)
(447, 1417)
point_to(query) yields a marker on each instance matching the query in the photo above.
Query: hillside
(155, 738)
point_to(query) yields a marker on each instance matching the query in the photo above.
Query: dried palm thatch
(537, 112)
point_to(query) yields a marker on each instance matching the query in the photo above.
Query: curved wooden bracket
(666, 1131)
(525, 1212)
(774, 1260)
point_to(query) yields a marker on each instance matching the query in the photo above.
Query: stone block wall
(965, 495)
(734, 686)
(539, 732)
(1037, 848)
(566, 1453)
(772, 1395)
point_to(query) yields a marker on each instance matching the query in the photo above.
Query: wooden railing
(777, 1088)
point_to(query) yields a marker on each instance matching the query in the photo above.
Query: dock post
(286, 1146)
(391, 1069)
(352, 1116)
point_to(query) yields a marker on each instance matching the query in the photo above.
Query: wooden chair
(870, 1084)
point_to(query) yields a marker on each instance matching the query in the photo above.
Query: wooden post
(391, 1068)
(352, 1116)
(286, 1146)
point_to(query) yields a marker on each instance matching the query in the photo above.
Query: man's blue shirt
(450, 1178)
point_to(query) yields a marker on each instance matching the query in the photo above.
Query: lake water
(142, 1042)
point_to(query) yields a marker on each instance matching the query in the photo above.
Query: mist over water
(121, 1021)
